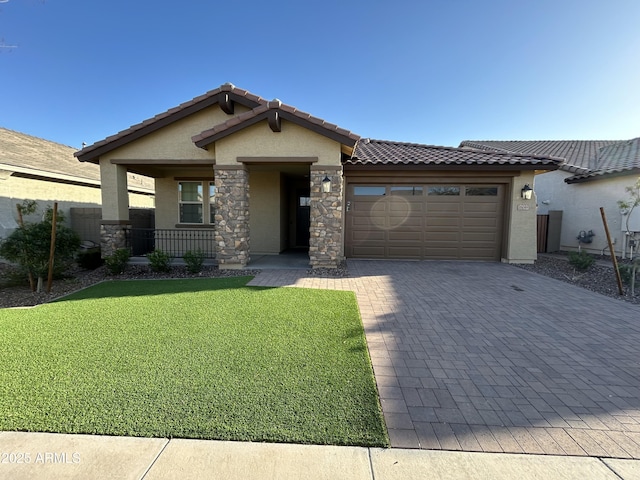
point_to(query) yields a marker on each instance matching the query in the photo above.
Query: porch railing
(175, 242)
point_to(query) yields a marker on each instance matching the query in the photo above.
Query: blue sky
(430, 71)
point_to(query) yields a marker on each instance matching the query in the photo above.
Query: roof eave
(598, 176)
(222, 97)
(203, 140)
(445, 166)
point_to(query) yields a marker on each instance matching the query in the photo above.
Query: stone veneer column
(232, 216)
(113, 236)
(326, 230)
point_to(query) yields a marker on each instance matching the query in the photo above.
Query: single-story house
(593, 174)
(32, 168)
(249, 176)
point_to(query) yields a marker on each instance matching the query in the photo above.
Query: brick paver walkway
(491, 358)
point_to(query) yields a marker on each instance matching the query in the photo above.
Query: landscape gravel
(599, 278)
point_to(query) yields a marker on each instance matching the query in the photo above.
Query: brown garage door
(425, 221)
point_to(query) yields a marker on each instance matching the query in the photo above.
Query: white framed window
(190, 202)
(193, 206)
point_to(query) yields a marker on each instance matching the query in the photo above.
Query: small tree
(29, 245)
(628, 206)
(632, 202)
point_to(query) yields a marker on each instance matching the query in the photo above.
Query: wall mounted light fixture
(326, 184)
(527, 192)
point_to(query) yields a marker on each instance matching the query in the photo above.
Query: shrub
(117, 262)
(194, 260)
(581, 260)
(29, 245)
(630, 274)
(159, 261)
(625, 273)
(89, 259)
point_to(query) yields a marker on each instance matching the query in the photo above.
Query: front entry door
(303, 217)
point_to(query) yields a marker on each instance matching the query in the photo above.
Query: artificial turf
(196, 358)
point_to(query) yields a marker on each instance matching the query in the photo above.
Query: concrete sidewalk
(57, 456)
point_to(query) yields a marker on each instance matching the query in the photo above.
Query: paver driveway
(490, 357)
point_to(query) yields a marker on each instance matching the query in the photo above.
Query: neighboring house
(593, 174)
(249, 176)
(35, 169)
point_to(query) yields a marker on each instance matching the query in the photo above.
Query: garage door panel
(445, 236)
(488, 208)
(368, 235)
(426, 226)
(369, 251)
(443, 208)
(410, 236)
(366, 206)
(400, 206)
(413, 222)
(486, 237)
(362, 222)
(441, 253)
(476, 253)
(443, 222)
(489, 222)
(404, 252)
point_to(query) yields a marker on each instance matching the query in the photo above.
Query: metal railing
(175, 242)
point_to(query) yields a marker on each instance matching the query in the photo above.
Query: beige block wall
(139, 200)
(13, 190)
(293, 141)
(520, 222)
(265, 212)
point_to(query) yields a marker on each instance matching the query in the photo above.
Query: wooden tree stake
(52, 252)
(613, 254)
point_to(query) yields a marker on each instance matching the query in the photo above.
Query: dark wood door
(303, 217)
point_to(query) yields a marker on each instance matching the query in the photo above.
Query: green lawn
(197, 358)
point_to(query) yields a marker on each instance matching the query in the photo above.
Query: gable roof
(587, 159)
(273, 112)
(31, 156)
(225, 96)
(383, 152)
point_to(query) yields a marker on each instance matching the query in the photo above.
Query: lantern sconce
(527, 192)
(326, 184)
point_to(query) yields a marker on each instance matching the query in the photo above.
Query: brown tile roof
(381, 152)
(275, 109)
(587, 159)
(43, 158)
(212, 97)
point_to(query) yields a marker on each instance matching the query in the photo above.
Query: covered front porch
(236, 216)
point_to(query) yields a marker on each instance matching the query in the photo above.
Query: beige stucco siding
(580, 204)
(166, 203)
(521, 222)
(265, 212)
(174, 140)
(293, 141)
(115, 200)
